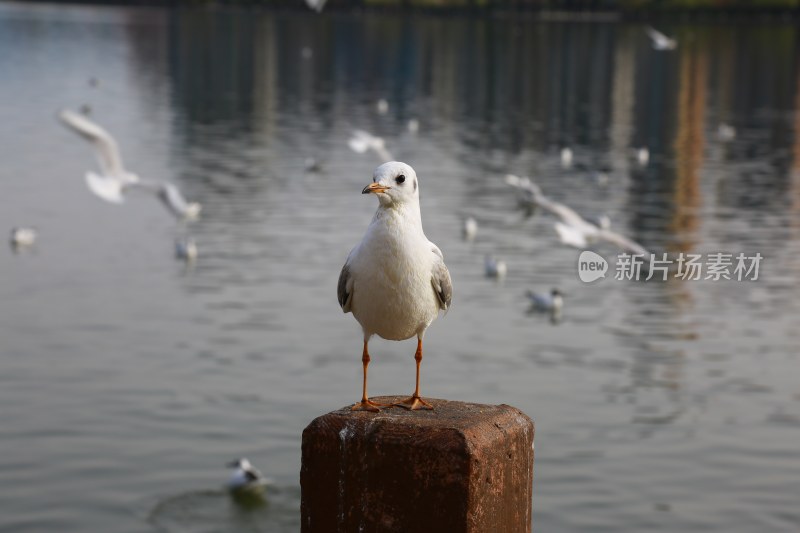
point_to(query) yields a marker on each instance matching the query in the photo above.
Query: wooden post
(462, 467)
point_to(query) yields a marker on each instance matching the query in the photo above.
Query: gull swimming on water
(244, 476)
(394, 281)
(186, 249)
(115, 180)
(361, 141)
(659, 40)
(382, 106)
(22, 237)
(566, 157)
(494, 268)
(470, 229)
(552, 302)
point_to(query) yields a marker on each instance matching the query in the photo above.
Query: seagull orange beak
(375, 188)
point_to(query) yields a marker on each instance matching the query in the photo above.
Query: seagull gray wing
(172, 198)
(565, 213)
(622, 242)
(344, 289)
(107, 150)
(654, 33)
(440, 279)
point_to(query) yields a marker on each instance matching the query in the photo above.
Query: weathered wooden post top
(461, 467)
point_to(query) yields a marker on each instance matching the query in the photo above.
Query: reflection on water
(125, 376)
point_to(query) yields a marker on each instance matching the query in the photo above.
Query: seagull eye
(400, 179)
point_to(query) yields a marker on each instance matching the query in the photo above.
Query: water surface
(127, 380)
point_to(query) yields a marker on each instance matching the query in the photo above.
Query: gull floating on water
(361, 141)
(566, 157)
(659, 40)
(22, 237)
(312, 165)
(470, 229)
(494, 268)
(244, 476)
(643, 156)
(115, 180)
(394, 281)
(382, 106)
(726, 132)
(186, 249)
(552, 302)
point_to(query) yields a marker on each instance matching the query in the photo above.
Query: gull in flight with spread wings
(114, 179)
(659, 40)
(362, 141)
(572, 229)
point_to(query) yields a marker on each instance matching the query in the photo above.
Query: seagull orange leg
(415, 401)
(366, 404)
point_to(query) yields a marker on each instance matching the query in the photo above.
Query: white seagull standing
(111, 185)
(659, 40)
(394, 281)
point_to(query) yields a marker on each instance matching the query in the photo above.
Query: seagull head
(242, 464)
(394, 183)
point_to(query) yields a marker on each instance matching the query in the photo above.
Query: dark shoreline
(574, 13)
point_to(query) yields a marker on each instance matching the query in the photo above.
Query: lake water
(127, 380)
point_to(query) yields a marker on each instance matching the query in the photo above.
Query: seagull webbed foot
(413, 403)
(368, 405)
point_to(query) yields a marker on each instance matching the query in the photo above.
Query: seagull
(566, 157)
(413, 125)
(382, 106)
(394, 281)
(573, 229)
(726, 132)
(316, 5)
(175, 203)
(527, 192)
(643, 156)
(494, 269)
(470, 229)
(312, 165)
(244, 476)
(552, 302)
(659, 40)
(186, 249)
(361, 141)
(22, 237)
(114, 180)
